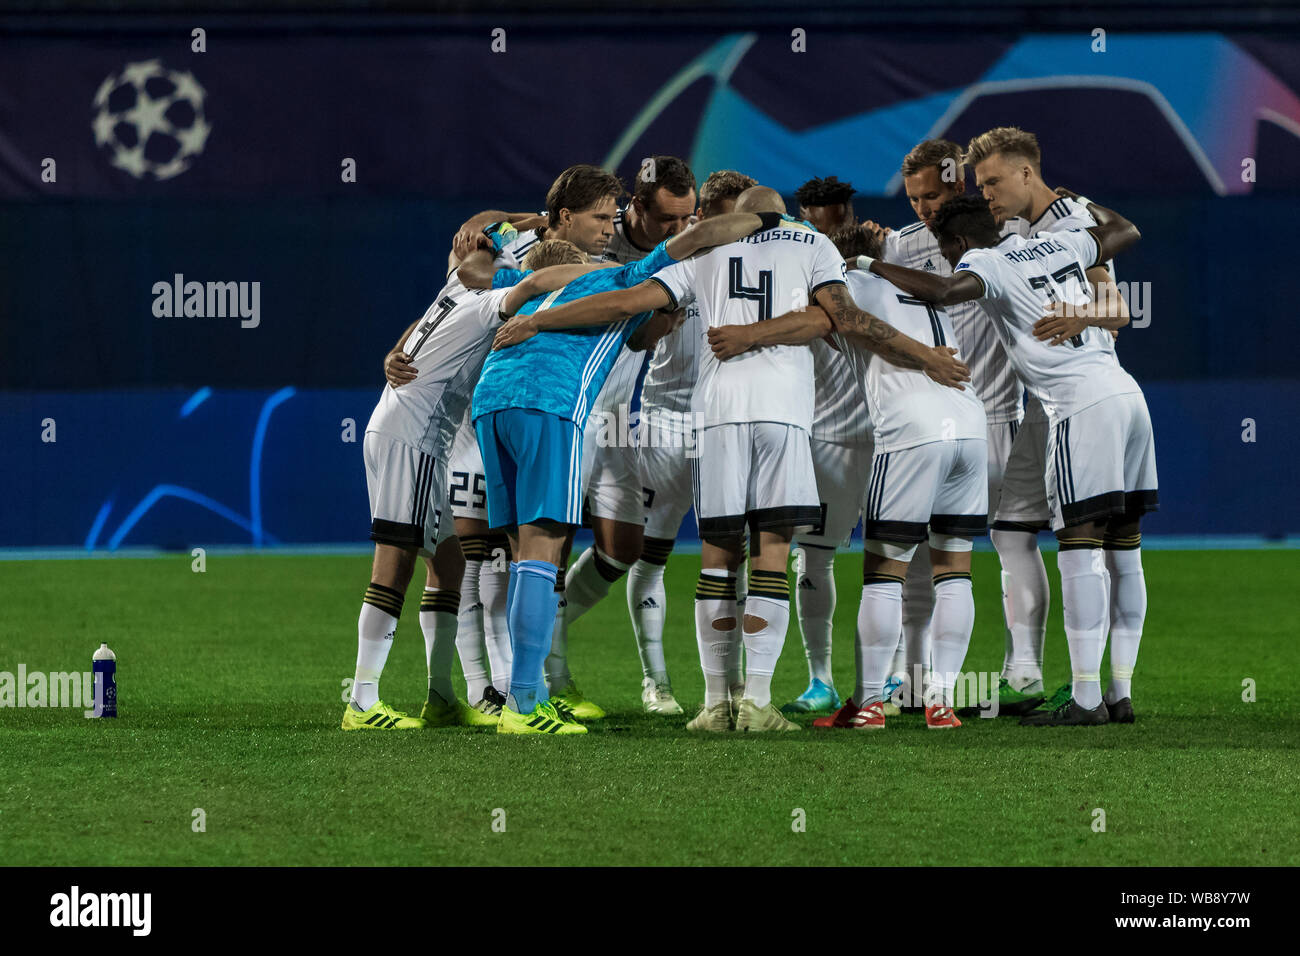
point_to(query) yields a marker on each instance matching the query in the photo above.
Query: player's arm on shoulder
(655, 328)
(606, 307)
(543, 281)
(398, 369)
(1114, 233)
(715, 231)
(883, 339)
(941, 290)
(793, 328)
(600, 309)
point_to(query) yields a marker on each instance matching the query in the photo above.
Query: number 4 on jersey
(738, 290)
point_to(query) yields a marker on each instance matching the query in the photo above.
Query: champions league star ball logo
(149, 120)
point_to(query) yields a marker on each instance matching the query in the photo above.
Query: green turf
(231, 684)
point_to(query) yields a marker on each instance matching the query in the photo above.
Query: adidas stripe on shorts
(941, 486)
(1101, 462)
(755, 474)
(407, 493)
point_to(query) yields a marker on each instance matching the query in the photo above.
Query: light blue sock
(510, 587)
(532, 618)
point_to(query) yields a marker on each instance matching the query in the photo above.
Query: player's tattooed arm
(600, 309)
(398, 369)
(938, 362)
(941, 290)
(793, 328)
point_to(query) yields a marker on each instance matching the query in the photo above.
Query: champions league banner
(307, 183)
(193, 114)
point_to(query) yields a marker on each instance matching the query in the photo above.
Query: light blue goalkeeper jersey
(562, 372)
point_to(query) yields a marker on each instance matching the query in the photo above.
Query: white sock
(880, 619)
(814, 600)
(438, 621)
(493, 588)
(1128, 610)
(736, 654)
(469, 634)
(763, 647)
(918, 608)
(1083, 601)
(647, 602)
(375, 632)
(954, 619)
(589, 580)
(1026, 599)
(557, 660)
(715, 601)
(898, 666)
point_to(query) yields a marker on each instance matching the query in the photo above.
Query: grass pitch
(231, 696)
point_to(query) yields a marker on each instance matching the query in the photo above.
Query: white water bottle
(104, 664)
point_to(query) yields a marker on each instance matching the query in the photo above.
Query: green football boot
(379, 717)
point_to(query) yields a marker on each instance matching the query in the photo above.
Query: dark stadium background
(178, 432)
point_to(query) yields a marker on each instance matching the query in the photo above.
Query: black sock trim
(712, 588)
(1078, 544)
(774, 585)
(656, 550)
(440, 601)
(1129, 542)
(502, 541)
(878, 578)
(385, 598)
(475, 546)
(605, 569)
(951, 576)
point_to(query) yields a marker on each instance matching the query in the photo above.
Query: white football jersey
(907, 406)
(1022, 278)
(670, 381)
(621, 248)
(513, 252)
(447, 348)
(759, 277)
(1063, 214)
(838, 413)
(991, 374)
(620, 384)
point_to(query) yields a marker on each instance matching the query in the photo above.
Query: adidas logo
(805, 584)
(476, 606)
(929, 265)
(647, 603)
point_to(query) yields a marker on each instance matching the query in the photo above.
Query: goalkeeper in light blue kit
(529, 409)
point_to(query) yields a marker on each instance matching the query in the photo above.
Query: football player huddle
(784, 376)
